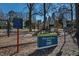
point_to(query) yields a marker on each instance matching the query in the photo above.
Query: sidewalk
(69, 49)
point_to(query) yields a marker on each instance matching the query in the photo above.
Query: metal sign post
(17, 40)
(18, 24)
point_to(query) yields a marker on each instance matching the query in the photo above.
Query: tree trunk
(72, 17)
(44, 5)
(30, 21)
(77, 15)
(77, 24)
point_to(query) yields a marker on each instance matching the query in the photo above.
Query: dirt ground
(28, 46)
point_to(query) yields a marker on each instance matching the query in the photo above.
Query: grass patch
(47, 34)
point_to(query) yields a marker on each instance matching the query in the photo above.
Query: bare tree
(31, 12)
(1, 18)
(11, 15)
(1, 15)
(62, 12)
(44, 11)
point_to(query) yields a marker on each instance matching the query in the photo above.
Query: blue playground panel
(46, 41)
(18, 23)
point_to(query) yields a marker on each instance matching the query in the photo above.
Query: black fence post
(8, 28)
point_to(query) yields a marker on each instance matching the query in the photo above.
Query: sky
(6, 7)
(17, 7)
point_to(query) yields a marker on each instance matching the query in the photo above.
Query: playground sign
(18, 23)
(46, 41)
